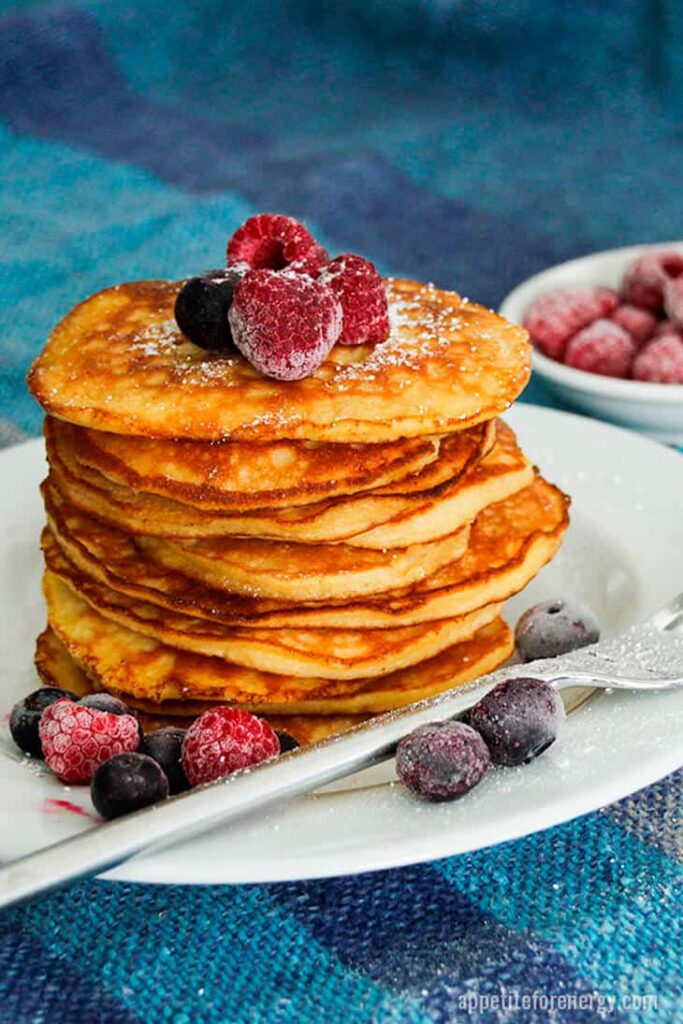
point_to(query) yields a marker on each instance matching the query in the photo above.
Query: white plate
(623, 554)
(654, 409)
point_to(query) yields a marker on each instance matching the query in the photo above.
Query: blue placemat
(470, 143)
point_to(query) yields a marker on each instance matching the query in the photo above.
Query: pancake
(336, 653)
(118, 362)
(509, 543)
(302, 572)
(235, 476)
(123, 661)
(457, 453)
(56, 667)
(363, 521)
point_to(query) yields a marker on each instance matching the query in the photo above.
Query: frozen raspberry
(636, 321)
(202, 304)
(164, 746)
(556, 316)
(661, 361)
(673, 300)
(127, 782)
(645, 279)
(603, 348)
(441, 760)
(555, 627)
(284, 323)
(313, 262)
(77, 739)
(223, 740)
(668, 327)
(25, 718)
(518, 719)
(270, 241)
(359, 287)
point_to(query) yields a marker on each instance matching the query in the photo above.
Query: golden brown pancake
(123, 661)
(364, 520)
(236, 476)
(119, 363)
(509, 543)
(56, 667)
(302, 572)
(333, 653)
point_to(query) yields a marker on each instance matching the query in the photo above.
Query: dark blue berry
(25, 717)
(287, 742)
(127, 782)
(555, 627)
(441, 760)
(202, 304)
(105, 702)
(164, 746)
(518, 719)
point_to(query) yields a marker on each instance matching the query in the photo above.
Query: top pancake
(118, 362)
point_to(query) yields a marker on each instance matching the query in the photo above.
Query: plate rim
(152, 869)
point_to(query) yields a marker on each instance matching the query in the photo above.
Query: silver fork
(647, 657)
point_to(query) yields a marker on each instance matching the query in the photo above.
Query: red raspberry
(222, 741)
(661, 361)
(313, 262)
(77, 740)
(673, 300)
(667, 327)
(645, 279)
(554, 317)
(284, 323)
(603, 348)
(270, 241)
(636, 321)
(360, 289)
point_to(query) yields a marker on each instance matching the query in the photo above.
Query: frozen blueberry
(202, 304)
(127, 782)
(441, 760)
(555, 627)
(164, 746)
(105, 702)
(287, 742)
(518, 719)
(25, 717)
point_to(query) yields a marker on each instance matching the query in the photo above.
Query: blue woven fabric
(470, 143)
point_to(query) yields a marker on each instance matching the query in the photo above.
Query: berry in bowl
(607, 331)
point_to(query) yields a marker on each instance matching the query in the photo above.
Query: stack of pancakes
(314, 551)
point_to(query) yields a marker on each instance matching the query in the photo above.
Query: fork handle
(225, 800)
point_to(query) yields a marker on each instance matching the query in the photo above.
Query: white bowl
(653, 409)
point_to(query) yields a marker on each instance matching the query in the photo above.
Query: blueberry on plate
(287, 742)
(127, 782)
(555, 627)
(441, 760)
(105, 702)
(25, 717)
(518, 719)
(202, 304)
(164, 747)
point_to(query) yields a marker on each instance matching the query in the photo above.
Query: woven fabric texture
(471, 144)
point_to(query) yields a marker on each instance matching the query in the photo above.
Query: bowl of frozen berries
(607, 331)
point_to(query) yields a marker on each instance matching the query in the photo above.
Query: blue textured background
(467, 142)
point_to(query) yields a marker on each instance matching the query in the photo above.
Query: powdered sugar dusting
(642, 652)
(418, 328)
(156, 338)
